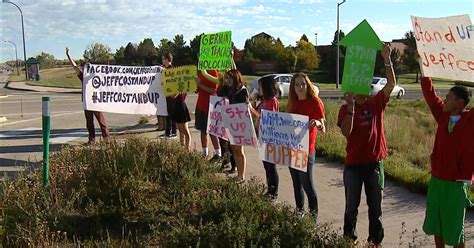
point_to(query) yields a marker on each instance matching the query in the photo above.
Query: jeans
(370, 177)
(170, 127)
(304, 181)
(272, 178)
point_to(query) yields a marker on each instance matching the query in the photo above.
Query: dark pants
(170, 124)
(304, 180)
(170, 127)
(369, 176)
(272, 178)
(90, 124)
(227, 153)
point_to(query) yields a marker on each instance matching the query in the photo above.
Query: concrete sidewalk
(403, 211)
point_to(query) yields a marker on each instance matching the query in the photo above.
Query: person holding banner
(361, 122)
(238, 93)
(207, 84)
(170, 125)
(303, 100)
(90, 114)
(452, 164)
(267, 91)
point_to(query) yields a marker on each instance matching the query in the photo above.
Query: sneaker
(215, 159)
(172, 136)
(301, 213)
(232, 171)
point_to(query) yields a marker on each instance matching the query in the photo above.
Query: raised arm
(72, 62)
(210, 77)
(390, 74)
(346, 122)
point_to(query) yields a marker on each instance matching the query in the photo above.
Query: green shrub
(147, 193)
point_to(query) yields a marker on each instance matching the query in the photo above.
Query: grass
(147, 193)
(410, 131)
(57, 77)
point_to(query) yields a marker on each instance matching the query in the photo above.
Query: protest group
(232, 118)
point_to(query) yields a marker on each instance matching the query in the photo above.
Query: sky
(51, 25)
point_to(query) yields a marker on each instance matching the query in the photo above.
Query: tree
(46, 60)
(147, 53)
(181, 52)
(408, 59)
(131, 55)
(304, 37)
(98, 53)
(194, 48)
(119, 56)
(165, 46)
(307, 57)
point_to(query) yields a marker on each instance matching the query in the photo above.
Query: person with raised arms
(361, 122)
(452, 164)
(88, 113)
(207, 84)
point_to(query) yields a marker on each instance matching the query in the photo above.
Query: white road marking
(34, 119)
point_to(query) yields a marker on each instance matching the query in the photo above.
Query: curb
(7, 86)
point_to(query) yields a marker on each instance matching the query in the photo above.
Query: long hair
(311, 91)
(236, 77)
(268, 87)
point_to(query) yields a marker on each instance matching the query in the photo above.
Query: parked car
(378, 83)
(283, 84)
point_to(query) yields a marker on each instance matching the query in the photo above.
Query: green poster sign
(362, 44)
(215, 51)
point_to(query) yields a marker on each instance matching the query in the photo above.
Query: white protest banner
(445, 46)
(123, 89)
(239, 124)
(215, 123)
(284, 139)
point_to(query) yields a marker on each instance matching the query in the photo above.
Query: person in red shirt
(267, 90)
(90, 114)
(304, 100)
(452, 164)
(208, 82)
(361, 122)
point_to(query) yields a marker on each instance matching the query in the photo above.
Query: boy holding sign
(452, 164)
(361, 122)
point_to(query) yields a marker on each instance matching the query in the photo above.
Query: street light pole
(23, 32)
(316, 39)
(16, 55)
(337, 34)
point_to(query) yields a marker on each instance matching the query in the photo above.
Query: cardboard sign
(362, 44)
(215, 122)
(215, 51)
(284, 139)
(179, 80)
(445, 46)
(239, 125)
